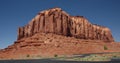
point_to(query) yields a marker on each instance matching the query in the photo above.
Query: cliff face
(59, 22)
(45, 35)
(80, 27)
(48, 21)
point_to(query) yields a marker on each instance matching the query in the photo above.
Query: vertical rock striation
(81, 28)
(59, 22)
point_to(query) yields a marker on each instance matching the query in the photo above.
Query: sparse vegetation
(55, 55)
(105, 47)
(114, 56)
(93, 57)
(28, 55)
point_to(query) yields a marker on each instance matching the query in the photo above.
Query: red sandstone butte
(57, 21)
(55, 32)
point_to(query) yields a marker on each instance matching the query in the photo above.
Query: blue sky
(16, 13)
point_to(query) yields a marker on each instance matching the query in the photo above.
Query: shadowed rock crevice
(59, 22)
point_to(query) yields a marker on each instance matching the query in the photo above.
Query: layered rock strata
(57, 21)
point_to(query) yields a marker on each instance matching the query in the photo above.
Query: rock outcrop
(57, 21)
(54, 32)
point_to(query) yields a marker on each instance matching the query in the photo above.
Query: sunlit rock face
(59, 22)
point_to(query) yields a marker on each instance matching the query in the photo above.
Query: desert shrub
(114, 56)
(105, 47)
(55, 55)
(28, 55)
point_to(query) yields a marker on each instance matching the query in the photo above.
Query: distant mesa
(59, 22)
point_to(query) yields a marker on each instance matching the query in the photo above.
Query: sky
(17, 13)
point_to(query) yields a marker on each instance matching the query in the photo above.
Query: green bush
(105, 47)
